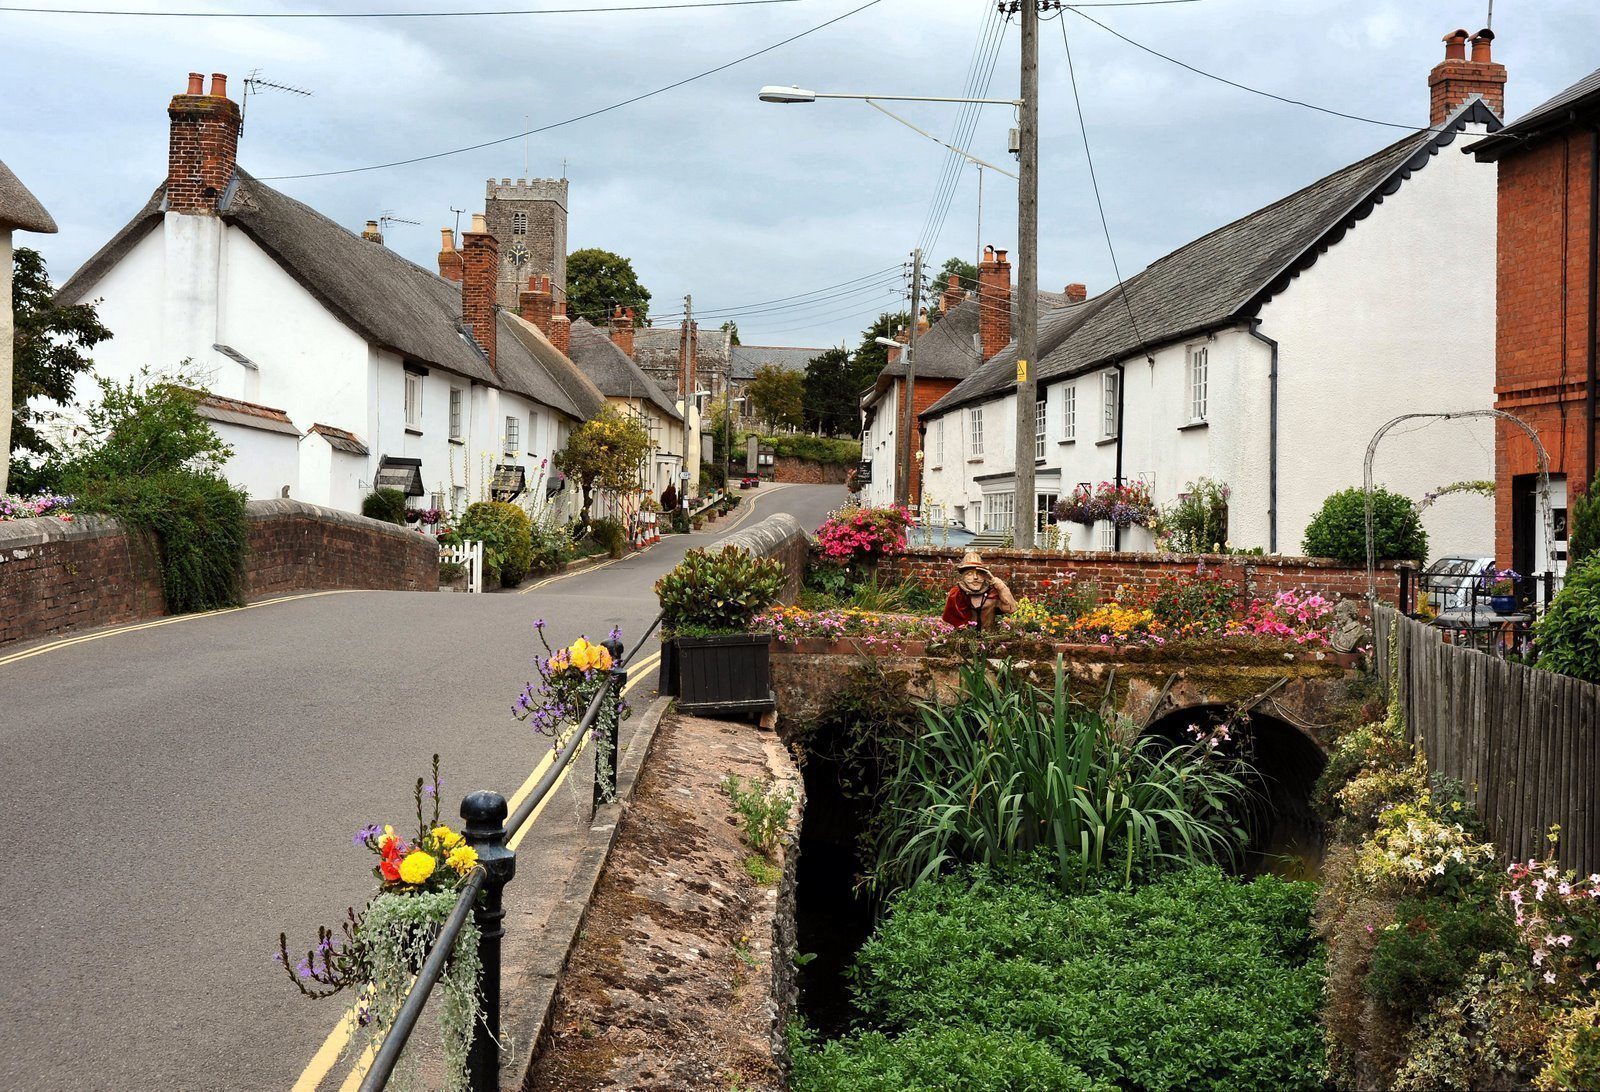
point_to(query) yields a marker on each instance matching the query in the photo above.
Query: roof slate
(1582, 97)
(745, 359)
(1220, 278)
(341, 440)
(19, 209)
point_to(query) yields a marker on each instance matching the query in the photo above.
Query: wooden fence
(1524, 742)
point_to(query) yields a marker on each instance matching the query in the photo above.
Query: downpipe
(1272, 436)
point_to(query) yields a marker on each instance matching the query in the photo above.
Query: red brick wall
(58, 577)
(1540, 362)
(926, 393)
(1025, 571)
(203, 146)
(787, 468)
(480, 259)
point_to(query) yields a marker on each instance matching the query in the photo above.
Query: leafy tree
(143, 426)
(1583, 524)
(777, 396)
(605, 452)
(827, 405)
(50, 342)
(599, 281)
(1339, 529)
(958, 267)
(1568, 636)
(732, 328)
(870, 358)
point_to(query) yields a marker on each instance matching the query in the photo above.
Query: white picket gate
(469, 555)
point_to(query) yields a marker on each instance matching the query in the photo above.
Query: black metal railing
(1460, 604)
(488, 829)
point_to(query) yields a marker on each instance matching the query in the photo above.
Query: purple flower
(431, 790)
(371, 830)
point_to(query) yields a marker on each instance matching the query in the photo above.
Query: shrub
(386, 504)
(857, 536)
(1574, 1050)
(1568, 636)
(506, 536)
(719, 592)
(1488, 1033)
(1367, 748)
(610, 535)
(763, 811)
(1010, 770)
(551, 546)
(1583, 525)
(957, 1059)
(680, 521)
(1339, 529)
(1198, 523)
(1192, 603)
(1195, 981)
(1429, 949)
(669, 499)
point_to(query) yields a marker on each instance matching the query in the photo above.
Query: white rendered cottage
(1266, 354)
(337, 365)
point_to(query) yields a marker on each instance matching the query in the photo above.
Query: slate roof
(341, 440)
(236, 411)
(19, 209)
(945, 350)
(611, 370)
(1221, 278)
(746, 359)
(388, 300)
(1582, 98)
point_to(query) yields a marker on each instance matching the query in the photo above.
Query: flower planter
(724, 675)
(1503, 604)
(667, 676)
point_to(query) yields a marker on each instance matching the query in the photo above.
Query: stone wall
(788, 468)
(780, 536)
(1026, 570)
(58, 576)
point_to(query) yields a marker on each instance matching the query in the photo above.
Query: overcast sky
(708, 190)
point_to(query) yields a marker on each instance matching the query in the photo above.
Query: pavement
(177, 795)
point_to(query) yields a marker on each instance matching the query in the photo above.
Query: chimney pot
(1455, 45)
(203, 149)
(622, 329)
(1480, 46)
(450, 263)
(371, 232)
(219, 85)
(1077, 293)
(197, 82)
(1456, 80)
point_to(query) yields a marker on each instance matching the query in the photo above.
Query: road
(177, 795)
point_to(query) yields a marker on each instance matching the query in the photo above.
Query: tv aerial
(255, 84)
(387, 218)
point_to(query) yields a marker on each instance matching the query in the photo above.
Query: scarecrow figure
(978, 597)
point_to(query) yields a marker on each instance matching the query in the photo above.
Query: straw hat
(972, 560)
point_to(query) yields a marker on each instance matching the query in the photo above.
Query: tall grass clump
(1013, 770)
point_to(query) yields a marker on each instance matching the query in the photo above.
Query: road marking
(70, 641)
(328, 1055)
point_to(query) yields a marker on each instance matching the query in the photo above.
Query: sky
(758, 210)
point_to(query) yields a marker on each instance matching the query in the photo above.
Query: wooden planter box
(723, 675)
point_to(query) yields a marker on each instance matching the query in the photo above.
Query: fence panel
(470, 556)
(1524, 742)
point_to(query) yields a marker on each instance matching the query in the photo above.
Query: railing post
(484, 813)
(605, 770)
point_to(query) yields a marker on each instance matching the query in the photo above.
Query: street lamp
(1027, 106)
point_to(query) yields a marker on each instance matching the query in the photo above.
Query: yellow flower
(447, 838)
(417, 866)
(463, 859)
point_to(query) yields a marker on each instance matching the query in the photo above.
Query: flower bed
(45, 504)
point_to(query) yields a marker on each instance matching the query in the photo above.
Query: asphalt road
(175, 796)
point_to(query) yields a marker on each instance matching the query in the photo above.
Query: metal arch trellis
(1545, 515)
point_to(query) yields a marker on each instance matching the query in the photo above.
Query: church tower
(529, 219)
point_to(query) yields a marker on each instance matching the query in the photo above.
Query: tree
(870, 358)
(829, 401)
(1583, 524)
(605, 452)
(777, 396)
(733, 329)
(50, 341)
(599, 281)
(958, 267)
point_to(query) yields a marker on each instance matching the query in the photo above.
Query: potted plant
(1500, 585)
(710, 659)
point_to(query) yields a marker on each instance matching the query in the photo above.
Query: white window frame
(975, 431)
(938, 443)
(1043, 503)
(1110, 393)
(458, 399)
(1041, 423)
(1069, 412)
(1199, 381)
(1000, 514)
(413, 400)
(513, 435)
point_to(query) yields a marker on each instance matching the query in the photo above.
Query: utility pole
(1027, 277)
(908, 414)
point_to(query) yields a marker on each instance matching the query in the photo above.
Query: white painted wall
(878, 445)
(263, 462)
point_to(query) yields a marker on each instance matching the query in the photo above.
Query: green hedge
(1196, 981)
(818, 449)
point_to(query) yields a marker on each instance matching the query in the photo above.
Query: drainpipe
(1593, 291)
(1122, 400)
(1272, 437)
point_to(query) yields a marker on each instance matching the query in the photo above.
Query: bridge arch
(1286, 834)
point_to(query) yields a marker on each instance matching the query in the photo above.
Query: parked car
(1450, 583)
(952, 534)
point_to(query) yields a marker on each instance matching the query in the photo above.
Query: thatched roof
(19, 209)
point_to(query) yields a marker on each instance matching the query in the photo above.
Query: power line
(388, 14)
(581, 117)
(798, 295)
(1247, 87)
(1077, 101)
(988, 31)
(819, 309)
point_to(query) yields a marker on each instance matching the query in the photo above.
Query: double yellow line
(328, 1054)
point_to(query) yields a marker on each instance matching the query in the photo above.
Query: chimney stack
(953, 295)
(622, 329)
(371, 233)
(561, 330)
(994, 302)
(536, 303)
(203, 148)
(688, 359)
(480, 264)
(1456, 79)
(1077, 293)
(449, 256)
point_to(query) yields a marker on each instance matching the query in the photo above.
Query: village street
(191, 788)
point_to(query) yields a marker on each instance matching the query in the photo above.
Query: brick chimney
(622, 329)
(1077, 293)
(561, 330)
(994, 302)
(449, 256)
(1456, 79)
(203, 150)
(536, 303)
(480, 264)
(371, 233)
(953, 295)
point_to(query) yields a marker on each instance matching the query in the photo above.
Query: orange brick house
(1546, 333)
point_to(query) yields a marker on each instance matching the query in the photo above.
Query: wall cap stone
(288, 507)
(1131, 557)
(42, 530)
(767, 537)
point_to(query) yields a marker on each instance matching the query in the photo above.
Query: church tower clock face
(518, 254)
